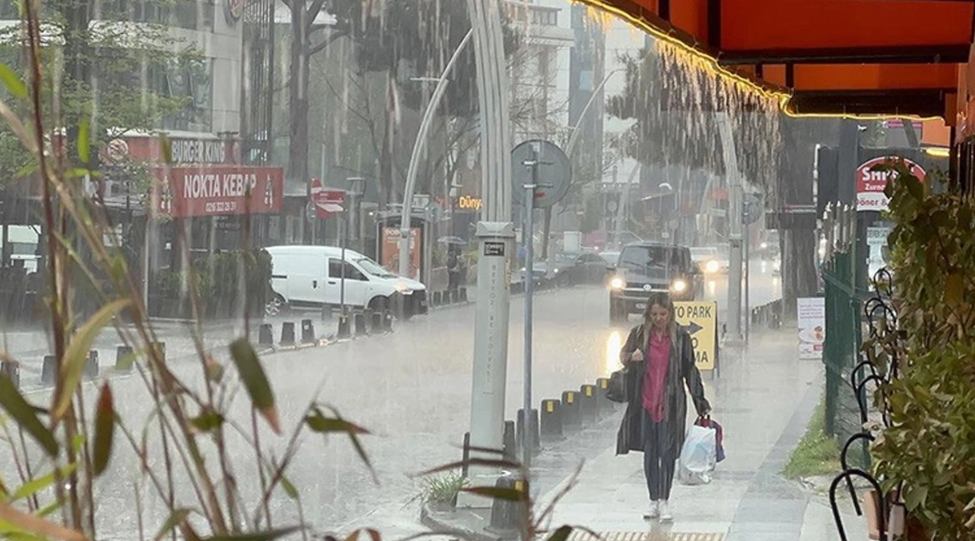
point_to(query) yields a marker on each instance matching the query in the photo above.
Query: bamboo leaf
(84, 141)
(255, 381)
(104, 430)
(509, 494)
(289, 488)
(38, 484)
(177, 517)
(207, 421)
(319, 423)
(77, 354)
(24, 415)
(12, 81)
(31, 524)
(259, 536)
(561, 534)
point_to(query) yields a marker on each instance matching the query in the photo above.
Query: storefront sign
(871, 183)
(216, 191)
(467, 202)
(390, 251)
(812, 327)
(197, 151)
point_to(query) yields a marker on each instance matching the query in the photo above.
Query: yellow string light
(701, 60)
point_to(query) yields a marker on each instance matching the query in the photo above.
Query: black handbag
(616, 391)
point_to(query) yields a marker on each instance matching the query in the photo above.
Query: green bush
(817, 453)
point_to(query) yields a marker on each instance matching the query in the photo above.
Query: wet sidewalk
(764, 399)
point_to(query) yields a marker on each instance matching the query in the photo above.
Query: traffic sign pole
(528, 237)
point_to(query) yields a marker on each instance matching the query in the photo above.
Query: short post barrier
(307, 332)
(604, 406)
(510, 442)
(12, 370)
(463, 294)
(265, 335)
(387, 321)
(570, 410)
(91, 365)
(550, 420)
(360, 324)
(48, 370)
(507, 516)
(124, 359)
(345, 328)
(288, 333)
(532, 423)
(587, 404)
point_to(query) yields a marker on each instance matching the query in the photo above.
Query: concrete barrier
(360, 324)
(265, 336)
(507, 516)
(12, 370)
(307, 332)
(91, 365)
(550, 420)
(345, 327)
(124, 359)
(288, 333)
(49, 370)
(570, 411)
(587, 404)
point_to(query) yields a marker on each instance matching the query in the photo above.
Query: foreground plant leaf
(319, 423)
(176, 518)
(259, 536)
(104, 430)
(83, 141)
(12, 81)
(561, 534)
(25, 416)
(31, 524)
(38, 484)
(76, 355)
(255, 381)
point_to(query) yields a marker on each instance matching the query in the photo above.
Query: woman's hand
(636, 356)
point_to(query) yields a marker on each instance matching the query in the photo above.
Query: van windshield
(373, 268)
(649, 257)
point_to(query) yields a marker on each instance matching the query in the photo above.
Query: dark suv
(646, 267)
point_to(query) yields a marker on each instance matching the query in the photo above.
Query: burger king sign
(871, 183)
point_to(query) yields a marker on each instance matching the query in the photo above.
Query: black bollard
(377, 322)
(48, 370)
(345, 331)
(436, 298)
(124, 359)
(604, 406)
(387, 321)
(510, 441)
(466, 454)
(288, 333)
(12, 370)
(265, 335)
(587, 404)
(570, 411)
(533, 439)
(507, 516)
(307, 332)
(91, 365)
(463, 294)
(550, 421)
(360, 324)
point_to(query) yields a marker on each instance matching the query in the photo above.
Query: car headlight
(617, 283)
(679, 286)
(712, 266)
(401, 287)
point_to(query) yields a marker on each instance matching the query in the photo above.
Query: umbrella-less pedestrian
(659, 356)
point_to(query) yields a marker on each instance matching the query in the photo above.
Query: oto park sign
(700, 320)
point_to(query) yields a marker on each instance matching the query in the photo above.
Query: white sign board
(877, 244)
(812, 326)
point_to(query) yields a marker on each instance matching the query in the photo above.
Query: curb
(438, 525)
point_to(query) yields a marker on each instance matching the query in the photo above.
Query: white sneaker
(653, 513)
(665, 514)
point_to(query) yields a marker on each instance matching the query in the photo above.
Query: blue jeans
(658, 465)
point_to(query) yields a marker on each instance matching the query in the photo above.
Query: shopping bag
(698, 456)
(707, 422)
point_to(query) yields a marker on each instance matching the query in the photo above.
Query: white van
(312, 275)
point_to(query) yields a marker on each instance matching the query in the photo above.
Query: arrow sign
(693, 328)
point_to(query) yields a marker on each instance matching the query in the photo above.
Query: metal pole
(748, 275)
(528, 237)
(730, 158)
(419, 146)
(342, 273)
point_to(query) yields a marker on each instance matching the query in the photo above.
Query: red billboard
(220, 190)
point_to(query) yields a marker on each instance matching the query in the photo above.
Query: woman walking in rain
(659, 358)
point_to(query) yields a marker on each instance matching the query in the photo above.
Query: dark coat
(680, 371)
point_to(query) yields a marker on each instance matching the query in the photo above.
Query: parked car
(708, 260)
(312, 276)
(646, 267)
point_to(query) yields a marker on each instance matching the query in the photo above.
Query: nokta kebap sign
(220, 191)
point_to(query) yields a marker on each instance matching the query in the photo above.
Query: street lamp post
(419, 146)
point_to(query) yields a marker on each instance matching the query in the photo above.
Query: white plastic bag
(698, 456)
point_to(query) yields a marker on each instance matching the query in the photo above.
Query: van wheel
(379, 304)
(276, 306)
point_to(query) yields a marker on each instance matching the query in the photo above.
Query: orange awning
(877, 57)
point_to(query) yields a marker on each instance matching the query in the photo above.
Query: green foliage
(816, 453)
(931, 445)
(442, 489)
